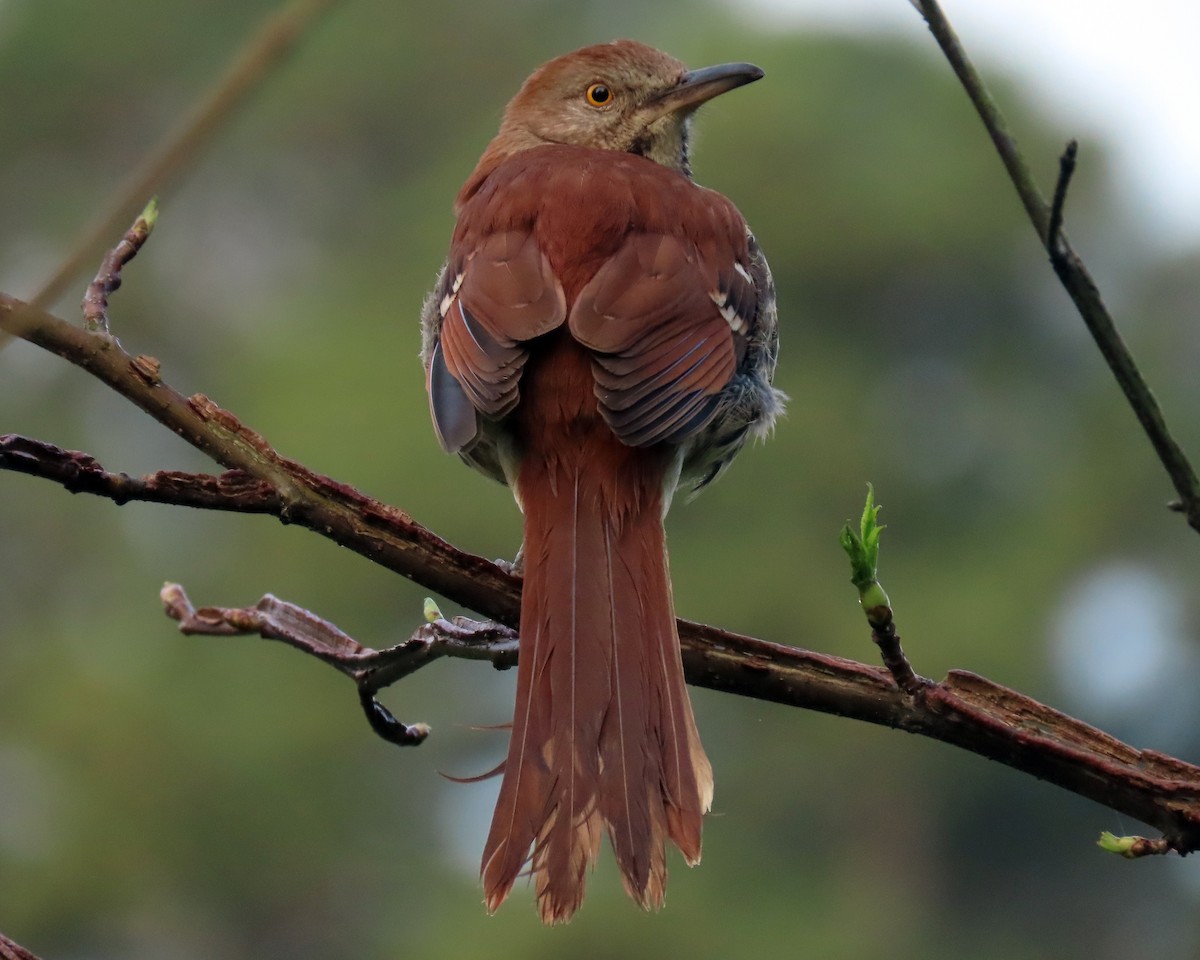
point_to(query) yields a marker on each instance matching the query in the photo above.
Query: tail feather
(634, 820)
(603, 736)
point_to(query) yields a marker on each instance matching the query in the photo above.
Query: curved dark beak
(699, 86)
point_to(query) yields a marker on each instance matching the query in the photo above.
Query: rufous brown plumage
(602, 332)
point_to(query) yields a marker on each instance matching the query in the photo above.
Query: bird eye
(598, 94)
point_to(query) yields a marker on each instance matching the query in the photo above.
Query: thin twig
(884, 635)
(263, 52)
(1070, 270)
(997, 127)
(108, 278)
(371, 670)
(79, 472)
(275, 619)
(1066, 170)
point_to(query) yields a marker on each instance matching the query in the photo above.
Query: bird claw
(515, 567)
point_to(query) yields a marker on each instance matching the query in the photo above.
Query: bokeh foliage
(172, 797)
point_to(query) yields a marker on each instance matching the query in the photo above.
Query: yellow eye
(598, 94)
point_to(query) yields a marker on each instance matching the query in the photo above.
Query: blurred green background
(163, 796)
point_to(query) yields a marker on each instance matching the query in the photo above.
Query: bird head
(622, 96)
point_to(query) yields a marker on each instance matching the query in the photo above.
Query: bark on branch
(13, 951)
(79, 472)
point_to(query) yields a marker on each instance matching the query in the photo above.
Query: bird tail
(603, 734)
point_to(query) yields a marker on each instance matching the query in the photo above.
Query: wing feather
(656, 317)
(499, 293)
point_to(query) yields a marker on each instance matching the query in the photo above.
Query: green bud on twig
(149, 216)
(862, 547)
(1111, 843)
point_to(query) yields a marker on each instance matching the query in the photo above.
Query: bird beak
(699, 86)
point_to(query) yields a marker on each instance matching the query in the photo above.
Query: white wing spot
(728, 311)
(744, 272)
(448, 299)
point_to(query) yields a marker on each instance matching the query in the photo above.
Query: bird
(602, 333)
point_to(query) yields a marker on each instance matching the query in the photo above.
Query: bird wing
(497, 293)
(666, 319)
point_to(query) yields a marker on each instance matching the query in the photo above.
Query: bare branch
(371, 670)
(78, 472)
(967, 711)
(13, 951)
(963, 709)
(1066, 170)
(1070, 269)
(377, 531)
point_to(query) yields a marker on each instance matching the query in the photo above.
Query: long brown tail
(603, 733)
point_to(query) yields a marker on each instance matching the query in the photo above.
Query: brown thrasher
(603, 331)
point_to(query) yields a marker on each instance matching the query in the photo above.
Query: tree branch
(1070, 269)
(377, 531)
(13, 951)
(965, 710)
(78, 472)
